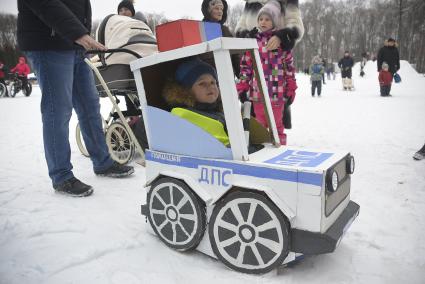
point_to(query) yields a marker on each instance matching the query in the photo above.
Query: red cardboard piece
(177, 34)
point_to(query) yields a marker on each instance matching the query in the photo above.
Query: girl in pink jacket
(279, 71)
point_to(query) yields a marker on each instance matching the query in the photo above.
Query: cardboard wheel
(176, 214)
(248, 233)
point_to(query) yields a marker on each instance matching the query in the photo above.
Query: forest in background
(331, 27)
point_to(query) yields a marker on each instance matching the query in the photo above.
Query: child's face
(385, 68)
(205, 89)
(265, 23)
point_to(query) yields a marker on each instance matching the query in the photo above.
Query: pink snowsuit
(279, 72)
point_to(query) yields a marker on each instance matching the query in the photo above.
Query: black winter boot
(116, 170)
(74, 187)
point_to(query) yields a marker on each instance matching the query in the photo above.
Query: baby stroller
(126, 39)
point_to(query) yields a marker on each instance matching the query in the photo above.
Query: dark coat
(346, 63)
(390, 55)
(53, 24)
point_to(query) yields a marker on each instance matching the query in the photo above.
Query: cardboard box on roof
(180, 33)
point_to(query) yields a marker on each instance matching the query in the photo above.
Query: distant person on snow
(346, 64)
(420, 155)
(389, 54)
(316, 72)
(324, 67)
(385, 79)
(23, 70)
(363, 63)
(330, 70)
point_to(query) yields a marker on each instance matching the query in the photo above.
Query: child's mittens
(243, 97)
(252, 33)
(288, 37)
(290, 96)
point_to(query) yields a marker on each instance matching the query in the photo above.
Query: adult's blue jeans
(66, 82)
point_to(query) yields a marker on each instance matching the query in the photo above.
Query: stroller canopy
(117, 31)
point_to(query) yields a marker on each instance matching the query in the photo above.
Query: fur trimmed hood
(204, 9)
(291, 16)
(177, 96)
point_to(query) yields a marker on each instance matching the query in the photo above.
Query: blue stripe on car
(246, 170)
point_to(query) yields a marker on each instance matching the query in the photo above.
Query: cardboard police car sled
(253, 211)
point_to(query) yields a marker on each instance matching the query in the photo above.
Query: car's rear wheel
(176, 214)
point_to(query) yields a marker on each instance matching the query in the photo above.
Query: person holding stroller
(346, 64)
(54, 37)
(22, 69)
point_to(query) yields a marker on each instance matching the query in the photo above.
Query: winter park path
(50, 238)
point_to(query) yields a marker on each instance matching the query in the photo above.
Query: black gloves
(252, 33)
(288, 37)
(243, 97)
(247, 34)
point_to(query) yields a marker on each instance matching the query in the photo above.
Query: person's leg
(382, 90)
(389, 90)
(55, 75)
(313, 88)
(86, 104)
(319, 88)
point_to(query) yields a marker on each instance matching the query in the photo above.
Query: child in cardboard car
(193, 95)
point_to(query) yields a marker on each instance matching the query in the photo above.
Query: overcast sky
(173, 9)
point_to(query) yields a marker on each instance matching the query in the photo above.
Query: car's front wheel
(248, 233)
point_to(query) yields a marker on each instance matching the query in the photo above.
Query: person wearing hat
(278, 67)
(126, 8)
(346, 64)
(385, 79)
(215, 11)
(193, 94)
(389, 54)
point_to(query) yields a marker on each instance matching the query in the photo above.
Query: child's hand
(290, 96)
(243, 97)
(273, 43)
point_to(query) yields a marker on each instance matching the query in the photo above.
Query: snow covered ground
(50, 238)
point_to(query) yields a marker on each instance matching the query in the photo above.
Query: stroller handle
(113, 50)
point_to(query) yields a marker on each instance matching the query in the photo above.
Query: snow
(51, 238)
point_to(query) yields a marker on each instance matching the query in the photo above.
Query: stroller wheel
(80, 141)
(119, 143)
